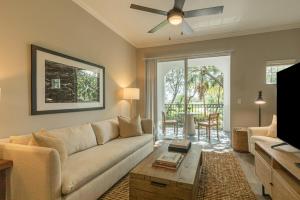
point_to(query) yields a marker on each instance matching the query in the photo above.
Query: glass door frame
(185, 77)
(186, 59)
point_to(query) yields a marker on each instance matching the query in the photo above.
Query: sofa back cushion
(77, 138)
(106, 130)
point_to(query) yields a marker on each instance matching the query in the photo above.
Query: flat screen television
(288, 105)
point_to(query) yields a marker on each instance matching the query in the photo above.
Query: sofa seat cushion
(83, 166)
(254, 139)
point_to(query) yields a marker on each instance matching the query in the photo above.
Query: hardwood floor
(247, 164)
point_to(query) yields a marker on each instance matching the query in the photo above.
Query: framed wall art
(61, 83)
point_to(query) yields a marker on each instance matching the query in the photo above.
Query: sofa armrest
(147, 126)
(256, 131)
(261, 131)
(36, 172)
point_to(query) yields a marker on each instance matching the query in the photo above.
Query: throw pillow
(147, 126)
(105, 130)
(45, 140)
(32, 142)
(20, 139)
(130, 128)
(272, 132)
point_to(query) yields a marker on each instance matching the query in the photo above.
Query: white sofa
(259, 134)
(38, 173)
(262, 134)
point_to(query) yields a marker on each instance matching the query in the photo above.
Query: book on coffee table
(168, 160)
(180, 146)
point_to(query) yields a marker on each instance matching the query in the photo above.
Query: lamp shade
(131, 93)
(260, 99)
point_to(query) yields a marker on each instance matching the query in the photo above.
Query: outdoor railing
(200, 111)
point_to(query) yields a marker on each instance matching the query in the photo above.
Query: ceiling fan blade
(179, 4)
(204, 11)
(150, 10)
(186, 28)
(159, 26)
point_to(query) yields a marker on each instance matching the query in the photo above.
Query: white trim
(95, 14)
(280, 62)
(191, 56)
(185, 129)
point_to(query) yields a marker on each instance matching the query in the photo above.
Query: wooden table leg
(2, 185)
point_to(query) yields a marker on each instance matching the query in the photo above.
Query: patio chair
(212, 121)
(166, 123)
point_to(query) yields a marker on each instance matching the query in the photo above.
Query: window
(273, 67)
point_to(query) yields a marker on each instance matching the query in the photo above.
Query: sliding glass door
(171, 97)
(205, 92)
(188, 90)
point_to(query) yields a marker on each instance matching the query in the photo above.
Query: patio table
(189, 123)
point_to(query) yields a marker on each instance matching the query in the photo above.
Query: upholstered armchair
(266, 133)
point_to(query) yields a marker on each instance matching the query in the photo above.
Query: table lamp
(259, 101)
(131, 94)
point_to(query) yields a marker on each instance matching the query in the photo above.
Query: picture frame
(62, 83)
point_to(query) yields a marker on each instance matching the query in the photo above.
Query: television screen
(288, 105)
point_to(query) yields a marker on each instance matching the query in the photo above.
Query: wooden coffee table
(153, 183)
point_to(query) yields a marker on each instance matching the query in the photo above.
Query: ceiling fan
(177, 16)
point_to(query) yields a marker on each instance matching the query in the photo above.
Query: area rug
(221, 179)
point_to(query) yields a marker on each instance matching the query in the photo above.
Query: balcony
(201, 111)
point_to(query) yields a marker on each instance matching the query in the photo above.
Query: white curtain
(151, 92)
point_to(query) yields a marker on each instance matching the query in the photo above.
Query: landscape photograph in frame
(62, 83)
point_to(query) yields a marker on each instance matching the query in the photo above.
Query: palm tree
(201, 80)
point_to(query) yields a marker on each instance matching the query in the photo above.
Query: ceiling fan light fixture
(175, 18)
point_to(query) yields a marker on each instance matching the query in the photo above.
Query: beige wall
(62, 26)
(248, 58)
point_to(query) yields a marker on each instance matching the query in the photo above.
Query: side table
(4, 166)
(240, 139)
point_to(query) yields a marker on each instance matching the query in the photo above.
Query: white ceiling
(240, 17)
